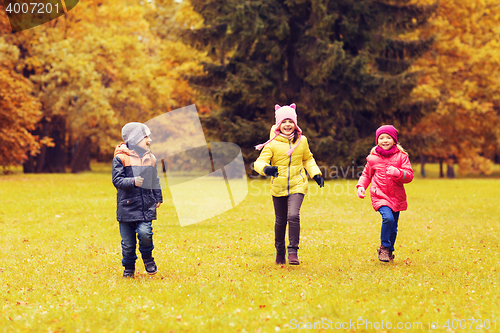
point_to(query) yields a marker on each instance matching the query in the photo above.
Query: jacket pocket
(149, 201)
(150, 207)
(130, 209)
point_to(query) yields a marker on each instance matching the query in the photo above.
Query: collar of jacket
(282, 139)
(138, 150)
(123, 149)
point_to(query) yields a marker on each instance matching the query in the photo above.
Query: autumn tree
(19, 110)
(93, 70)
(460, 73)
(168, 19)
(341, 62)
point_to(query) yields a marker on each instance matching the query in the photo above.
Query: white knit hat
(133, 133)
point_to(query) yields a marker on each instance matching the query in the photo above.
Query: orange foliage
(461, 74)
(19, 110)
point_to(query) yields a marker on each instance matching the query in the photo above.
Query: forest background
(428, 67)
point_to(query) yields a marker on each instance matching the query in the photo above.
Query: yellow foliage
(101, 66)
(19, 111)
(461, 74)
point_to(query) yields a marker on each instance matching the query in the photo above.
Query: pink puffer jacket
(387, 190)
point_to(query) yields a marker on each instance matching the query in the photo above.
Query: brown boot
(391, 256)
(383, 254)
(280, 259)
(293, 259)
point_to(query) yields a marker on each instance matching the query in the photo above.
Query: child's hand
(319, 180)
(138, 181)
(361, 192)
(394, 172)
(271, 171)
(158, 204)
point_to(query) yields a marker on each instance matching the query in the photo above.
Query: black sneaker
(150, 266)
(129, 272)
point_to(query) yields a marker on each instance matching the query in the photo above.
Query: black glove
(319, 180)
(271, 171)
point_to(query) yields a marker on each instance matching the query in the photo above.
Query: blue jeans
(389, 227)
(128, 231)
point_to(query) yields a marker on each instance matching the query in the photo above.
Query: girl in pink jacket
(387, 169)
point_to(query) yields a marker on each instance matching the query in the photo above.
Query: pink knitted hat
(281, 113)
(387, 129)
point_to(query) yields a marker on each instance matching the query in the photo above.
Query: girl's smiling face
(287, 126)
(385, 141)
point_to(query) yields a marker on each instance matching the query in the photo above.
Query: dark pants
(286, 210)
(389, 229)
(144, 232)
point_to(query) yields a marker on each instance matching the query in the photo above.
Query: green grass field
(60, 267)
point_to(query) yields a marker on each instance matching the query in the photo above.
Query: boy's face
(144, 144)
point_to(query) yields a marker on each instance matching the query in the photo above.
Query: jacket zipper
(142, 194)
(289, 163)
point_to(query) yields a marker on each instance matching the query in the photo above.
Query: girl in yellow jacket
(285, 158)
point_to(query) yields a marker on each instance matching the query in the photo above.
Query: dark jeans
(389, 227)
(286, 210)
(144, 232)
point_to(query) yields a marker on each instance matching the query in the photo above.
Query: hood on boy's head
(133, 133)
(121, 149)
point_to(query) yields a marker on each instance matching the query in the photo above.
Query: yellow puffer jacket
(291, 175)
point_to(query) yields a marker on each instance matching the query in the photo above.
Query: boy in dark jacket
(138, 195)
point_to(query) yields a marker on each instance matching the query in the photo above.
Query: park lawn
(60, 267)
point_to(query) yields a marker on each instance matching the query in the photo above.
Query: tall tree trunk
(56, 156)
(293, 83)
(29, 164)
(441, 174)
(81, 157)
(422, 165)
(450, 173)
(49, 159)
(34, 164)
(40, 160)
